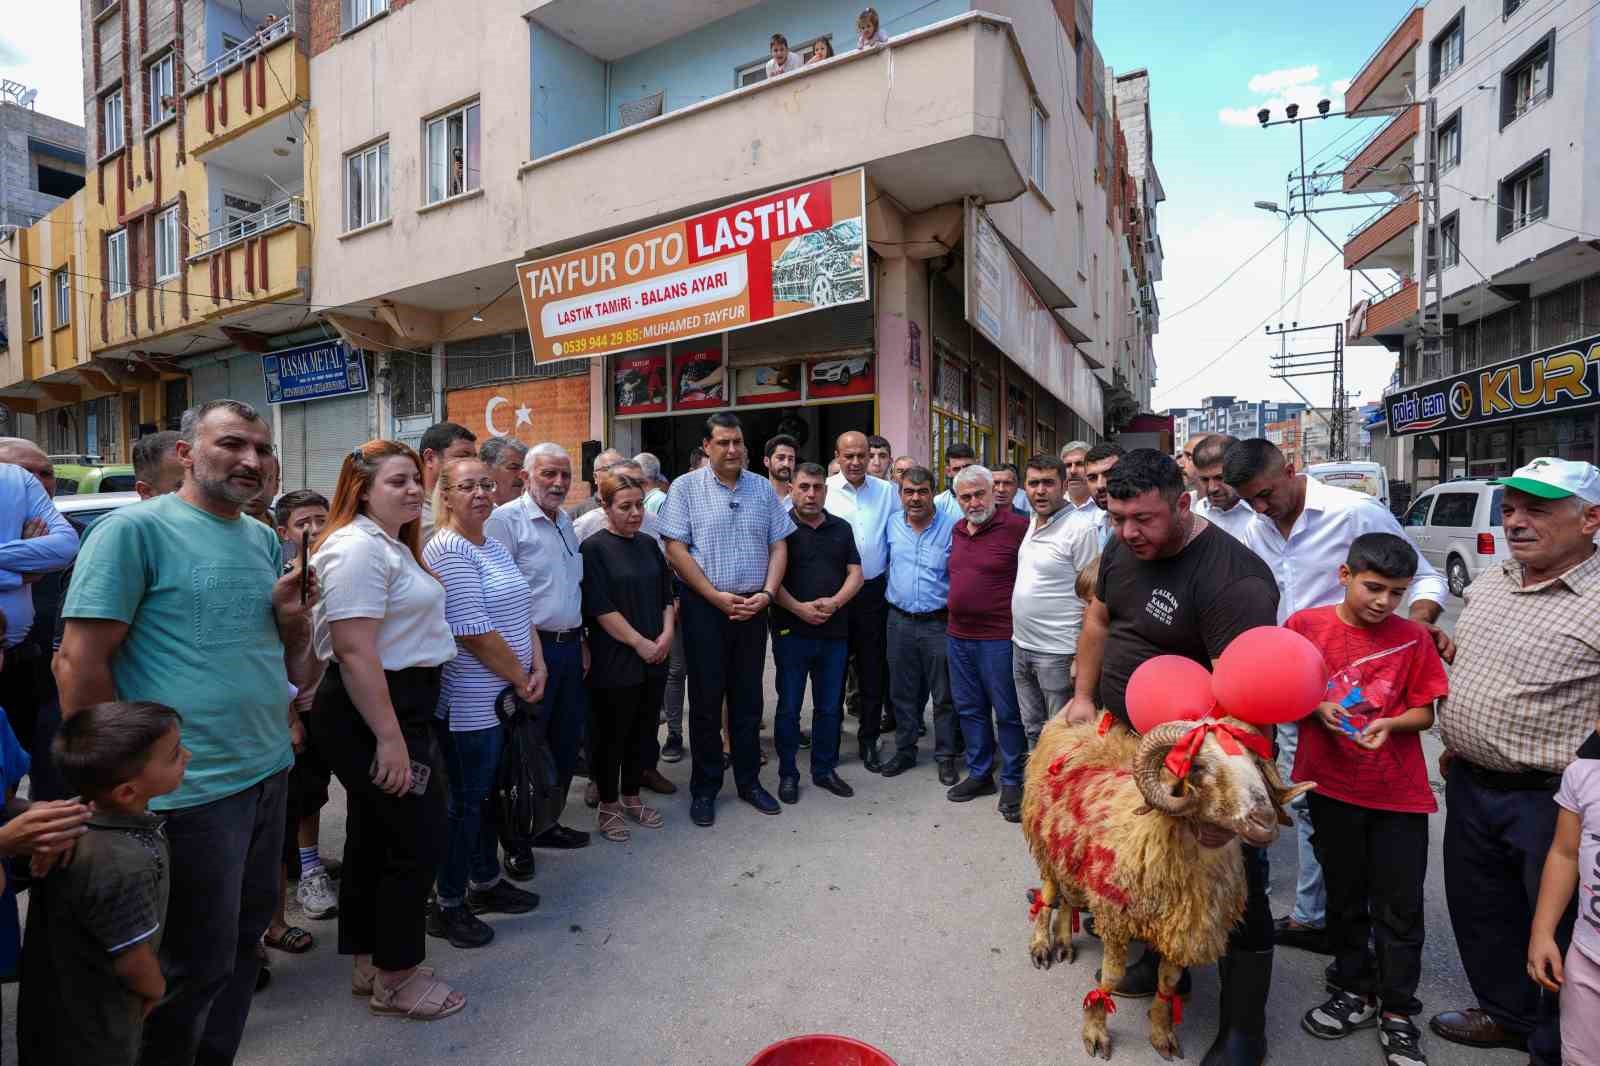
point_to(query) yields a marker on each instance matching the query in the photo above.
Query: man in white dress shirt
(1075, 458)
(542, 541)
(1218, 503)
(1303, 535)
(1097, 464)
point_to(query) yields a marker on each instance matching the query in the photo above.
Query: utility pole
(1431, 294)
(1286, 366)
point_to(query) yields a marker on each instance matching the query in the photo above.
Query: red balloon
(1270, 675)
(1168, 688)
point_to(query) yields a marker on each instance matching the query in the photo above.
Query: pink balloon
(1270, 675)
(1168, 688)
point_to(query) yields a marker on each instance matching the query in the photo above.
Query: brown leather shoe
(655, 782)
(1475, 1027)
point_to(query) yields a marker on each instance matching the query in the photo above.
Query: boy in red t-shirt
(1369, 813)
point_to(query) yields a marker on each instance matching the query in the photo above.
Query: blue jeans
(566, 698)
(473, 848)
(985, 696)
(1310, 894)
(823, 660)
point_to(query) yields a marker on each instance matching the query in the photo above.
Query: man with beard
(1170, 584)
(1218, 503)
(507, 457)
(170, 597)
(781, 452)
(1097, 464)
(1186, 464)
(1075, 457)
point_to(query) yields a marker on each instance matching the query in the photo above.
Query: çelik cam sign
(785, 253)
(1556, 379)
(313, 372)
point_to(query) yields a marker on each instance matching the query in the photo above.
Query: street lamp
(1263, 116)
(1268, 205)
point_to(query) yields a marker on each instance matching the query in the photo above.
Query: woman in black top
(627, 601)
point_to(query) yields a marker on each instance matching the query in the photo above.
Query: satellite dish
(27, 98)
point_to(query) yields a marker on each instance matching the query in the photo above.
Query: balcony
(246, 87)
(1385, 160)
(1386, 242)
(282, 213)
(1389, 78)
(1392, 311)
(951, 112)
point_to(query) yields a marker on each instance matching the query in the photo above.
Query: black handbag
(527, 791)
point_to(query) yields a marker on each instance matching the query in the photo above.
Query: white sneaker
(317, 896)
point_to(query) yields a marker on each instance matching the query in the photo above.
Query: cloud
(1275, 81)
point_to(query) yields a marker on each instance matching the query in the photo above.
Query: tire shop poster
(768, 257)
(770, 383)
(699, 380)
(847, 375)
(639, 384)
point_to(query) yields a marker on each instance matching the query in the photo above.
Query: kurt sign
(769, 257)
(1556, 379)
(313, 372)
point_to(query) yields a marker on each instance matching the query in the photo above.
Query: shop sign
(850, 375)
(769, 383)
(699, 380)
(313, 372)
(639, 384)
(1555, 379)
(768, 257)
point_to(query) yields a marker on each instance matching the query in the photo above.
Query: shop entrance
(816, 427)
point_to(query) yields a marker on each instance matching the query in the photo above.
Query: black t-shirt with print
(1192, 604)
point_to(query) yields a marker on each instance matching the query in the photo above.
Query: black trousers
(393, 844)
(1254, 931)
(619, 720)
(726, 660)
(1495, 843)
(869, 617)
(1375, 866)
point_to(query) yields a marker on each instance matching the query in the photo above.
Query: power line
(1231, 275)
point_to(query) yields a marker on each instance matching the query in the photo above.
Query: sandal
(364, 977)
(611, 826)
(294, 941)
(634, 808)
(431, 1005)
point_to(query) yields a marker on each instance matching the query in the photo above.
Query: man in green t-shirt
(178, 599)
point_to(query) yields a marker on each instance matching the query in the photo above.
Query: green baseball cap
(1556, 479)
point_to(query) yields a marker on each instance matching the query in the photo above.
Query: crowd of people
(184, 681)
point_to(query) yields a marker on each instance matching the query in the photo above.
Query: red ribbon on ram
(1176, 1003)
(1234, 741)
(1102, 997)
(1074, 919)
(1036, 904)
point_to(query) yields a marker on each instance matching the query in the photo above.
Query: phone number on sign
(598, 341)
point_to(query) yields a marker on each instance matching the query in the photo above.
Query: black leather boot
(1246, 978)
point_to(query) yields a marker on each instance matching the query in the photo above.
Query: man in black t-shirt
(810, 633)
(1172, 584)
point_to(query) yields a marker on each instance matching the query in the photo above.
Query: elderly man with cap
(1524, 686)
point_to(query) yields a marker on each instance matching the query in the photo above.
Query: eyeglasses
(470, 486)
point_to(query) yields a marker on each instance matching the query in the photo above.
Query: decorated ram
(1144, 833)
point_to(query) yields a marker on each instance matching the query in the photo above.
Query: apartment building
(1515, 94)
(1232, 416)
(1003, 223)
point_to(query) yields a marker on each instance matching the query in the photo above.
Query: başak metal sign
(1555, 379)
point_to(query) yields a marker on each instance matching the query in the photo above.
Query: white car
(1370, 478)
(84, 510)
(1456, 527)
(839, 371)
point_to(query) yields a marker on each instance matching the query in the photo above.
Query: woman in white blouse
(491, 617)
(380, 628)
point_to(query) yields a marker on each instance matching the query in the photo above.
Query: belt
(923, 616)
(562, 636)
(1512, 780)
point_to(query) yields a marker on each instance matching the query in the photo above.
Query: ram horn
(1147, 769)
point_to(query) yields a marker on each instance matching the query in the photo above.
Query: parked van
(1370, 478)
(1456, 527)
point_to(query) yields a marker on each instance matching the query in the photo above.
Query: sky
(1208, 78)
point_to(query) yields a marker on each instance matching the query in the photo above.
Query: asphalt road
(895, 917)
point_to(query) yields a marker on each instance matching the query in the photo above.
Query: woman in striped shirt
(491, 618)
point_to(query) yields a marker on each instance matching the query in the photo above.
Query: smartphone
(305, 566)
(420, 772)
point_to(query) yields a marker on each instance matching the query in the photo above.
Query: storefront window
(1489, 452)
(1427, 461)
(1455, 459)
(1561, 436)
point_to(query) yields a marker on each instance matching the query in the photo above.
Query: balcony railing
(260, 41)
(268, 218)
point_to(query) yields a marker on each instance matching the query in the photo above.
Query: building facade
(1514, 94)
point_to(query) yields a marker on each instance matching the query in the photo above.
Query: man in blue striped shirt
(918, 591)
(724, 529)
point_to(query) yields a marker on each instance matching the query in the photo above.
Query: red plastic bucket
(821, 1049)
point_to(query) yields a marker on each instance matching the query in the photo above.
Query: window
(1036, 155)
(1448, 149)
(167, 244)
(1455, 509)
(358, 11)
(451, 141)
(161, 102)
(1511, 8)
(230, 42)
(36, 310)
(1447, 50)
(62, 283)
(1524, 197)
(1450, 236)
(366, 186)
(117, 263)
(751, 73)
(1528, 82)
(111, 121)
